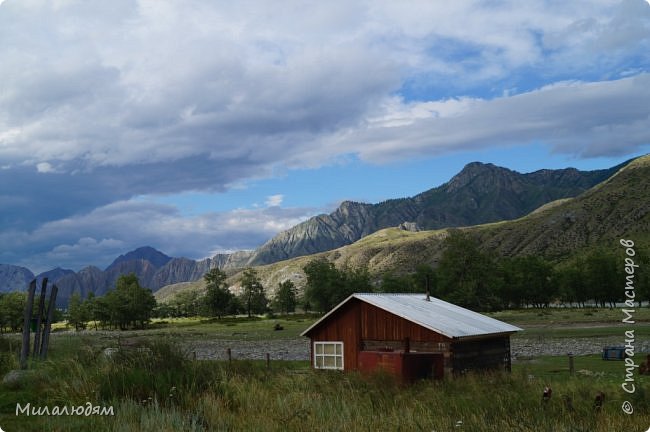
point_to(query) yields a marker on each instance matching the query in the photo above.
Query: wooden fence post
(39, 318)
(48, 322)
(24, 352)
(229, 352)
(268, 361)
(571, 366)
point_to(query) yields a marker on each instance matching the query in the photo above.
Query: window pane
(339, 347)
(319, 362)
(330, 362)
(330, 349)
(339, 362)
(319, 348)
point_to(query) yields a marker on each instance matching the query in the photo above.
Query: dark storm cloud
(101, 102)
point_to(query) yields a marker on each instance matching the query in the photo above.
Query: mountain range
(153, 268)
(617, 208)
(479, 194)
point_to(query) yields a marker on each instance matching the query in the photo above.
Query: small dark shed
(410, 335)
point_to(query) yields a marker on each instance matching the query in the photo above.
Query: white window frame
(320, 354)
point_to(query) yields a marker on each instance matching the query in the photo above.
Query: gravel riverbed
(298, 349)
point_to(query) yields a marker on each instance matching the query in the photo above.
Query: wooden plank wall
(377, 324)
(342, 326)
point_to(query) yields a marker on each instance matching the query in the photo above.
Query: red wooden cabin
(410, 335)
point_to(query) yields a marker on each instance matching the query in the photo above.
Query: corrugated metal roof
(437, 315)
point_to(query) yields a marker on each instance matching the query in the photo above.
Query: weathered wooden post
(571, 366)
(229, 352)
(48, 322)
(39, 317)
(24, 352)
(268, 361)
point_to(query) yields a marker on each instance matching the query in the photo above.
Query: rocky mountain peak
(14, 278)
(147, 253)
(474, 170)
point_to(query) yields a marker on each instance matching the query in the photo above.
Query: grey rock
(14, 378)
(409, 226)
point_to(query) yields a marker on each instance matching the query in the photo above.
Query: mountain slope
(147, 253)
(617, 208)
(480, 193)
(161, 272)
(14, 278)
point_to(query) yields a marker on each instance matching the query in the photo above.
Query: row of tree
(465, 275)
(218, 301)
(478, 280)
(470, 277)
(129, 305)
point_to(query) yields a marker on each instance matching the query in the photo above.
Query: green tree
(12, 306)
(90, 305)
(604, 277)
(326, 286)
(354, 281)
(129, 303)
(101, 312)
(467, 276)
(424, 274)
(571, 283)
(252, 297)
(527, 280)
(641, 277)
(78, 312)
(285, 297)
(390, 283)
(188, 303)
(218, 297)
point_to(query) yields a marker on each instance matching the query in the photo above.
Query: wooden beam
(39, 317)
(29, 305)
(48, 322)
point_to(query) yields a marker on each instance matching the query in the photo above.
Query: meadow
(159, 387)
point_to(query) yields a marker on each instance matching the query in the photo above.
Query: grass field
(161, 389)
(564, 316)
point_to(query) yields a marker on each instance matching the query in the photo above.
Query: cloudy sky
(201, 126)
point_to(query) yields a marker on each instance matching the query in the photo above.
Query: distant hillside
(146, 253)
(14, 278)
(150, 275)
(480, 193)
(557, 226)
(617, 208)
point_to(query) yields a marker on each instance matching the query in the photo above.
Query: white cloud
(152, 82)
(45, 167)
(274, 200)
(127, 98)
(99, 236)
(583, 119)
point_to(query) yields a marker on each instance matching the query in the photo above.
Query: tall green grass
(157, 388)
